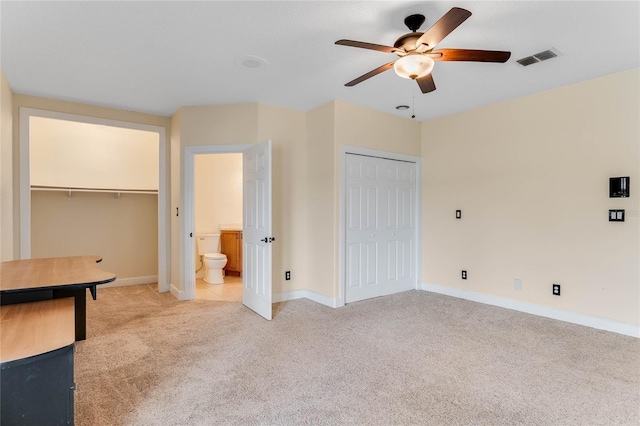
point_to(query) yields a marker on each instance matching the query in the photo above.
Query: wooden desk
(36, 362)
(32, 280)
(30, 329)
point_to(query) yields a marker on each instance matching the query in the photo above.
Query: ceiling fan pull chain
(413, 115)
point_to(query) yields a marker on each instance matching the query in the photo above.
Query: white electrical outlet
(517, 284)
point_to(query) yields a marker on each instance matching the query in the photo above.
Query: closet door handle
(266, 240)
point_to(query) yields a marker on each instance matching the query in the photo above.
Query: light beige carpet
(408, 359)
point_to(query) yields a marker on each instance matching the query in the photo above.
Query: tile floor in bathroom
(230, 291)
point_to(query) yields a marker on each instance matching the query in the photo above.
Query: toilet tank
(207, 243)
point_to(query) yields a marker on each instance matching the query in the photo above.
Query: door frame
(25, 181)
(342, 249)
(187, 246)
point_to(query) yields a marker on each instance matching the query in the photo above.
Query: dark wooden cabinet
(36, 363)
(231, 245)
(38, 390)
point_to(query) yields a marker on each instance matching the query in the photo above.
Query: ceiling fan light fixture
(413, 66)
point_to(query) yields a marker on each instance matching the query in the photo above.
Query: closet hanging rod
(77, 189)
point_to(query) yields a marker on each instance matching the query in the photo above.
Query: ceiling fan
(416, 50)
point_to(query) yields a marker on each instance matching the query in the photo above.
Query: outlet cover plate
(556, 289)
(464, 275)
(517, 284)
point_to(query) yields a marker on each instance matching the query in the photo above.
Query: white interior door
(257, 237)
(380, 227)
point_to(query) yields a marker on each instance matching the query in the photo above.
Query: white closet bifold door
(380, 227)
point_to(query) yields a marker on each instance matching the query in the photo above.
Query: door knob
(265, 240)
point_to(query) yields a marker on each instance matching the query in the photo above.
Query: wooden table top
(29, 329)
(52, 272)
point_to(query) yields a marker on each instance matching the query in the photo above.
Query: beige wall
(505, 165)
(287, 131)
(201, 126)
(329, 127)
(217, 191)
(531, 177)
(249, 124)
(121, 261)
(6, 170)
(73, 154)
(219, 125)
(123, 231)
(366, 128)
(321, 247)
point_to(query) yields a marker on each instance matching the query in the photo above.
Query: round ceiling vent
(251, 63)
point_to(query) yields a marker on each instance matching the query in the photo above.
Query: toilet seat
(215, 256)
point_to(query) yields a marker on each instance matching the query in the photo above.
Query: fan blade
(472, 55)
(370, 74)
(426, 83)
(443, 27)
(371, 46)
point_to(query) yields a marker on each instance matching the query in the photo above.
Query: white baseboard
(288, 295)
(305, 294)
(543, 311)
(121, 282)
(178, 294)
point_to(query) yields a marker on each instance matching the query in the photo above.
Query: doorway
(256, 223)
(26, 116)
(218, 211)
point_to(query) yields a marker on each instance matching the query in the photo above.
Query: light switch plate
(616, 215)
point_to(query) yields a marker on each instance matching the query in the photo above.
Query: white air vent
(538, 57)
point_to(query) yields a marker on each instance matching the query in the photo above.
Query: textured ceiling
(158, 56)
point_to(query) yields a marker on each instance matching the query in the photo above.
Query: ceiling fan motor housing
(408, 41)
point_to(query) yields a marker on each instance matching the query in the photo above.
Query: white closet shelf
(105, 190)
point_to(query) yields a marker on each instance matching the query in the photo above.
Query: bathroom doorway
(218, 210)
(257, 234)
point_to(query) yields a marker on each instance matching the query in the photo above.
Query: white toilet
(214, 262)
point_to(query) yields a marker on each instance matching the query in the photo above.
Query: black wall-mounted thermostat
(619, 187)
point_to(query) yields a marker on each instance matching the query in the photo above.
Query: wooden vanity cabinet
(231, 245)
